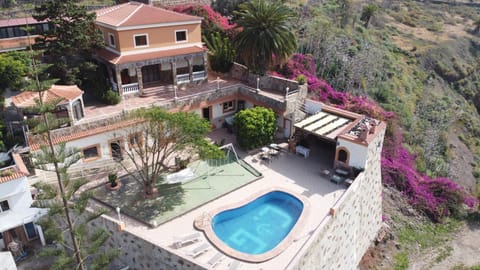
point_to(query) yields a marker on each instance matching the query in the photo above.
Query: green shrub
(301, 79)
(110, 97)
(255, 127)
(401, 261)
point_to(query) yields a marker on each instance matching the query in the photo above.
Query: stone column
(70, 112)
(119, 82)
(174, 72)
(205, 65)
(110, 74)
(190, 68)
(139, 79)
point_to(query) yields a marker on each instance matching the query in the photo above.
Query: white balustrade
(199, 75)
(183, 78)
(130, 88)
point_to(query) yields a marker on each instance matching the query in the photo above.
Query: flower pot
(117, 185)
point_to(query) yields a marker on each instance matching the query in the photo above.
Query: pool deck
(288, 172)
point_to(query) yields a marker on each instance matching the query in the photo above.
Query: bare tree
(160, 140)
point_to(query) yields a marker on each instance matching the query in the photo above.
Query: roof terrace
(288, 172)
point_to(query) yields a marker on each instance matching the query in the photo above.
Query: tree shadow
(132, 201)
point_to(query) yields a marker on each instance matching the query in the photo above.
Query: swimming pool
(257, 229)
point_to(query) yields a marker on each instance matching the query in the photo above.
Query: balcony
(199, 75)
(183, 78)
(130, 88)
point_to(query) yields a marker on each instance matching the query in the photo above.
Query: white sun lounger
(182, 176)
(216, 259)
(198, 250)
(179, 241)
(234, 265)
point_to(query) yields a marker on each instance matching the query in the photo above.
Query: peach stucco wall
(157, 37)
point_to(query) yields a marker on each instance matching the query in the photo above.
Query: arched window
(342, 155)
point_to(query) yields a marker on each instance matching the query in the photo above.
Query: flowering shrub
(212, 20)
(436, 198)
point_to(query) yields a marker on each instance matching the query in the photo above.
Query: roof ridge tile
(131, 14)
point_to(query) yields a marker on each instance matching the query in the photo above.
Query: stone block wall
(278, 84)
(138, 253)
(344, 236)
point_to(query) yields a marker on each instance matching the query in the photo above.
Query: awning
(14, 218)
(324, 124)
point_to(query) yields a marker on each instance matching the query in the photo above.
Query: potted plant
(113, 183)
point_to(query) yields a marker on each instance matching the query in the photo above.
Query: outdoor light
(258, 83)
(118, 213)
(286, 90)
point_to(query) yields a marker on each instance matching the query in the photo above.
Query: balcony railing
(183, 78)
(130, 88)
(199, 75)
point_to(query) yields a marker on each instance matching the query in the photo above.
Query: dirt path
(463, 249)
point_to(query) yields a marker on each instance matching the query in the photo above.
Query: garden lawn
(213, 179)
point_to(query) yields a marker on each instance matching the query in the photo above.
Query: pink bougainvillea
(211, 18)
(437, 198)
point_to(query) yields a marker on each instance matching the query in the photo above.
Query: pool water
(260, 225)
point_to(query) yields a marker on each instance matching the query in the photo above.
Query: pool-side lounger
(180, 241)
(198, 250)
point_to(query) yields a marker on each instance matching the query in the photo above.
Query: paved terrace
(161, 95)
(288, 171)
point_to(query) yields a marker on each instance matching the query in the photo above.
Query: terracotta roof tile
(14, 172)
(136, 14)
(17, 21)
(10, 175)
(35, 144)
(61, 92)
(121, 59)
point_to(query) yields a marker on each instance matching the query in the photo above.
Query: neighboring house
(68, 100)
(17, 217)
(13, 37)
(146, 47)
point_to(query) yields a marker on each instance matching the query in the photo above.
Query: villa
(149, 47)
(322, 175)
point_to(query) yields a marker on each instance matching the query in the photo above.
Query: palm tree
(265, 36)
(368, 12)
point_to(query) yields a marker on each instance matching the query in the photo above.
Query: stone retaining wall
(138, 253)
(344, 236)
(278, 84)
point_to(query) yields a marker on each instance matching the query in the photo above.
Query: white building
(17, 217)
